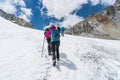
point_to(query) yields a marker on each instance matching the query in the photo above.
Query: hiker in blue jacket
(62, 30)
(55, 42)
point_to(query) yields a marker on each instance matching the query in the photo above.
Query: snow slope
(80, 58)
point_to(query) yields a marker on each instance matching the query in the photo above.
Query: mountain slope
(105, 24)
(81, 58)
(15, 19)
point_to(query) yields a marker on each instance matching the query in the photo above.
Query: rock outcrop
(15, 19)
(105, 24)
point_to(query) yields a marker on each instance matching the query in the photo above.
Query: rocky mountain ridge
(15, 19)
(105, 24)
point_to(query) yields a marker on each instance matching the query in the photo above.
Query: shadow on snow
(66, 62)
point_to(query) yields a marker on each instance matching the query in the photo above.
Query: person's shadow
(66, 62)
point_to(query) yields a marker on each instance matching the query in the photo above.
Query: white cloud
(102, 2)
(62, 8)
(26, 11)
(7, 6)
(72, 20)
(20, 3)
(26, 14)
(108, 2)
(95, 2)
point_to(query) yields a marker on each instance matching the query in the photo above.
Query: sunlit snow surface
(81, 58)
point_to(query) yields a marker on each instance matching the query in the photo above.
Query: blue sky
(42, 13)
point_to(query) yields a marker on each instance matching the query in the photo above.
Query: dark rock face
(117, 5)
(16, 20)
(105, 24)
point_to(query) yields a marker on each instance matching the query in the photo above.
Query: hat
(52, 27)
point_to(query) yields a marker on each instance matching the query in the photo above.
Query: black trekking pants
(55, 50)
(49, 46)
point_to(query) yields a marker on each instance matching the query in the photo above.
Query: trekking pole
(43, 46)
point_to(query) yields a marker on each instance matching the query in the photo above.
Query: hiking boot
(54, 62)
(49, 53)
(58, 59)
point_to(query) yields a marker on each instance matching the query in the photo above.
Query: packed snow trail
(80, 58)
(88, 59)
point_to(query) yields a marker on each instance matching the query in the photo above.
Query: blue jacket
(55, 35)
(62, 29)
